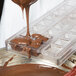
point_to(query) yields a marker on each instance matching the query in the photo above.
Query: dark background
(1, 7)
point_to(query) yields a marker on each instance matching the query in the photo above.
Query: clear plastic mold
(59, 25)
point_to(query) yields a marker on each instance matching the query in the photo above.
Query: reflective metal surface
(18, 59)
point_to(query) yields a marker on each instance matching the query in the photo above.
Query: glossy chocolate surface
(29, 70)
(28, 44)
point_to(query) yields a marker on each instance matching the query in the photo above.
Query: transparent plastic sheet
(59, 26)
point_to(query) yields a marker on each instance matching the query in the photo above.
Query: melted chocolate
(28, 44)
(6, 63)
(29, 70)
(25, 4)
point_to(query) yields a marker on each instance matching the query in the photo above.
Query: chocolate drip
(6, 63)
(27, 18)
(22, 8)
(25, 4)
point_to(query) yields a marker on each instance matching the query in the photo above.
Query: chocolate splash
(30, 70)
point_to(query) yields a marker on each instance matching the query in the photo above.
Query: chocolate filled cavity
(28, 44)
